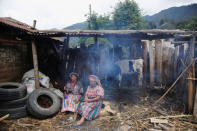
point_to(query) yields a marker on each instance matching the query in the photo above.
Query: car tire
(35, 105)
(14, 113)
(14, 103)
(12, 91)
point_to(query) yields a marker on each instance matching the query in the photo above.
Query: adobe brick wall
(14, 61)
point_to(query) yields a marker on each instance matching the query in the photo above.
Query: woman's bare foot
(80, 121)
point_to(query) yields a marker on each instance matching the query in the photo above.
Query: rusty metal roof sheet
(8, 21)
(16, 24)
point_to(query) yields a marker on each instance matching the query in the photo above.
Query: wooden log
(35, 60)
(4, 117)
(155, 120)
(175, 116)
(145, 61)
(158, 60)
(152, 63)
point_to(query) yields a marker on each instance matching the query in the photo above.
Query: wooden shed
(169, 56)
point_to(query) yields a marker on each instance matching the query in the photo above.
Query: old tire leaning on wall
(43, 103)
(14, 103)
(12, 91)
(14, 113)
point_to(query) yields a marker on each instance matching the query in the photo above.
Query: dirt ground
(133, 111)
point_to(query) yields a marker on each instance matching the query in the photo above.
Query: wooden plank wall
(161, 62)
(166, 63)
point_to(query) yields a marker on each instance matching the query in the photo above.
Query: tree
(192, 25)
(98, 22)
(127, 15)
(162, 21)
(93, 22)
(152, 25)
(104, 22)
(181, 24)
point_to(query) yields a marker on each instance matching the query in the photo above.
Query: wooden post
(170, 66)
(65, 57)
(96, 40)
(152, 63)
(176, 54)
(145, 61)
(195, 99)
(97, 55)
(191, 74)
(35, 60)
(158, 60)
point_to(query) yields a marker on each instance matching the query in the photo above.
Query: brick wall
(14, 61)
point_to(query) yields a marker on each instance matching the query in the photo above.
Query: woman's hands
(91, 100)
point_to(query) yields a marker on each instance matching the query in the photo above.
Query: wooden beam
(35, 61)
(158, 60)
(181, 42)
(95, 32)
(152, 62)
(140, 34)
(145, 61)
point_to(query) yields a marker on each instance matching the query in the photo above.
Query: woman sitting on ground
(90, 108)
(72, 93)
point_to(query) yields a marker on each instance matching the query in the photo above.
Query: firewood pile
(125, 109)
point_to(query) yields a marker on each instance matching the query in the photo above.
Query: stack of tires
(13, 98)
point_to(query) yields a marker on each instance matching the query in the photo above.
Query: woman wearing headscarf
(90, 108)
(72, 93)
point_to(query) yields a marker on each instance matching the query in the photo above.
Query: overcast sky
(62, 13)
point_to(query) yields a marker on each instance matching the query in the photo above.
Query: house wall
(13, 61)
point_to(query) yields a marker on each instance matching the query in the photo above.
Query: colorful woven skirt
(89, 110)
(70, 104)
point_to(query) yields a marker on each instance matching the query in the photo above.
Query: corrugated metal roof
(16, 24)
(8, 21)
(144, 34)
